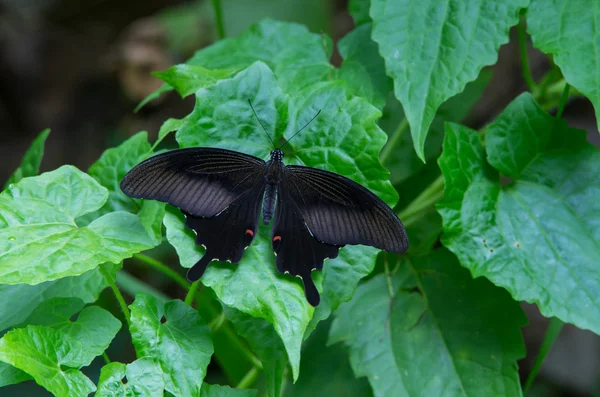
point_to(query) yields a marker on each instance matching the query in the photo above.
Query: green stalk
(219, 18)
(524, 60)
(552, 333)
(179, 279)
(189, 298)
(563, 101)
(248, 379)
(427, 199)
(118, 295)
(391, 143)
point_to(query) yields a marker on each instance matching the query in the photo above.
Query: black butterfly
(221, 193)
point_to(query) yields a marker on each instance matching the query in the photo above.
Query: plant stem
(189, 298)
(391, 143)
(117, 292)
(219, 18)
(388, 277)
(428, 197)
(132, 286)
(563, 101)
(524, 60)
(552, 333)
(106, 359)
(179, 279)
(248, 379)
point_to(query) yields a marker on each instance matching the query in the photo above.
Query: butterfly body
(222, 192)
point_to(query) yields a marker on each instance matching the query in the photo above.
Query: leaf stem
(219, 18)
(391, 143)
(189, 298)
(179, 279)
(117, 292)
(563, 101)
(106, 359)
(552, 333)
(388, 277)
(527, 76)
(248, 379)
(427, 199)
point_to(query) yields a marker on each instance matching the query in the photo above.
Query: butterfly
(223, 192)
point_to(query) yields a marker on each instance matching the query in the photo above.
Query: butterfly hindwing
(339, 211)
(200, 181)
(297, 251)
(227, 234)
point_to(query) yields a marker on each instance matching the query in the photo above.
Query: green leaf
(363, 68)
(326, 370)
(265, 342)
(222, 118)
(538, 236)
(53, 356)
(168, 126)
(225, 391)
(433, 322)
(152, 96)
(432, 49)
(110, 169)
(10, 375)
(175, 337)
(30, 166)
(141, 378)
(399, 155)
(20, 301)
(359, 9)
(298, 58)
(39, 237)
(187, 79)
(567, 31)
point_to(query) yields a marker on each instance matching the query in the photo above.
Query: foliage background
(81, 67)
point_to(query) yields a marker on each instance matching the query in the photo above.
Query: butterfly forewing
(200, 181)
(339, 211)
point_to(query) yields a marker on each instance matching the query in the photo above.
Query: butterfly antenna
(260, 122)
(297, 132)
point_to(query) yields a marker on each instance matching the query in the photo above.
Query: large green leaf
(141, 378)
(363, 68)
(110, 169)
(225, 391)
(298, 58)
(267, 345)
(30, 166)
(10, 375)
(187, 79)
(433, 48)
(568, 31)
(19, 301)
(222, 118)
(52, 355)
(431, 330)
(175, 337)
(39, 237)
(538, 236)
(399, 155)
(326, 370)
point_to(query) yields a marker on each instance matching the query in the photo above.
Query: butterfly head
(277, 155)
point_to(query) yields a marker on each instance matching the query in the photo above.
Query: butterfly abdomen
(273, 179)
(269, 202)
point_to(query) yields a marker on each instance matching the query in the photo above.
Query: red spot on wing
(277, 238)
(250, 232)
